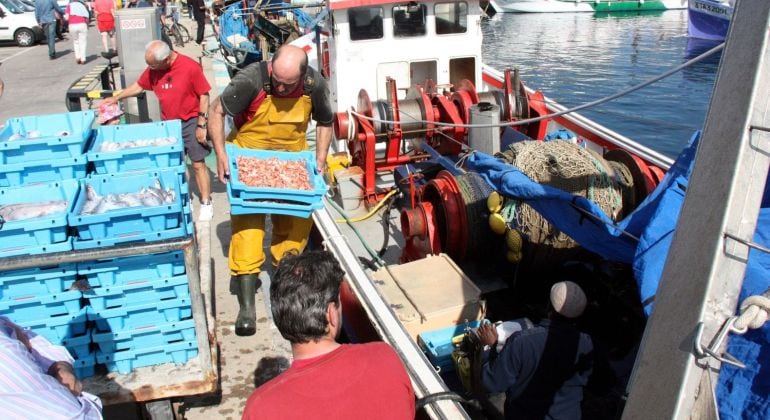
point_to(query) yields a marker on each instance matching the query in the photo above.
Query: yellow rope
(374, 210)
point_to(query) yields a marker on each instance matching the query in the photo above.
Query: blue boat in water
(709, 19)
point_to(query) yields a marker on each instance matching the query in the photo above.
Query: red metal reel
(464, 96)
(418, 94)
(451, 218)
(448, 113)
(537, 108)
(657, 174)
(419, 228)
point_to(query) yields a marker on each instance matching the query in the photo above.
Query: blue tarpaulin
(742, 393)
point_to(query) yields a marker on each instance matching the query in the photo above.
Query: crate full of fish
(289, 177)
(40, 171)
(136, 206)
(33, 218)
(133, 269)
(45, 137)
(121, 148)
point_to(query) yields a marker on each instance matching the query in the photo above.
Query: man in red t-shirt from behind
(327, 380)
(183, 92)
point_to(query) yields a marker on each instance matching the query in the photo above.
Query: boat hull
(708, 19)
(573, 6)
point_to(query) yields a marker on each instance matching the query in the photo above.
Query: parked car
(19, 25)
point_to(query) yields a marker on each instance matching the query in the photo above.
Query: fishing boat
(461, 194)
(572, 6)
(709, 19)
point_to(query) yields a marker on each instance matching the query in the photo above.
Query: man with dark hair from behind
(327, 380)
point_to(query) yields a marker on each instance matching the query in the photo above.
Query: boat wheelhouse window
(462, 68)
(365, 23)
(451, 18)
(409, 19)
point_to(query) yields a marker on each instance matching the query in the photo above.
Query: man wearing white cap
(543, 370)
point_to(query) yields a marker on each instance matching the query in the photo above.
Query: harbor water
(575, 58)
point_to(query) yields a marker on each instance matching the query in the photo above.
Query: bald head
(289, 65)
(156, 54)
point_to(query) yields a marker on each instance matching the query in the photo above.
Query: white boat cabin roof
(411, 42)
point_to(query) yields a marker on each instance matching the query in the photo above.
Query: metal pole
(704, 272)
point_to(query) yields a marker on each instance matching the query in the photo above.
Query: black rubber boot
(246, 323)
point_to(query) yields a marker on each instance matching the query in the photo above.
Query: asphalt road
(36, 85)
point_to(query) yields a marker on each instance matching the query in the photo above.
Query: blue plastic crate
(64, 304)
(238, 189)
(245, 206)
(130, 224)
(131, 159)
(125, 270)
(85, 366)
(42, 234)
(57, 329)
(144, 315)
(126, 361)
(158, 335)
(36, 281)
(111, 297)
(438, 344)
(79, 346)
(18, 174)
(60, 136)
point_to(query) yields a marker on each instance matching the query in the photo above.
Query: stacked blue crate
(39, 228)
(41, 300)
(44, 148)
(250, 200)
(40, 156)
(140, 311)
(138, 223)
(125, 159)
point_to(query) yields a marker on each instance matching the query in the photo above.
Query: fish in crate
(264, 181)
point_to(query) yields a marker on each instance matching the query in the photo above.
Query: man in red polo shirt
(183, 92)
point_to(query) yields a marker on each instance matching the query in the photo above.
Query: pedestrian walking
(77, 15)
(105, 22)
(199, 14)
(183, 92)
(45, 14)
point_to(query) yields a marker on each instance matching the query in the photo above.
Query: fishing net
(564, 165)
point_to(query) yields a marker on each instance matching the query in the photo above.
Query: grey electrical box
(136, 27)
(486, 138)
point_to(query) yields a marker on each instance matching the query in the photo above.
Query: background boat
(709, 19)
(571, 6)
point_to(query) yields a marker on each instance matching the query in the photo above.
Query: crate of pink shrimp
(266, 181)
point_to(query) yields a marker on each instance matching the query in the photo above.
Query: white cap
(568, 299)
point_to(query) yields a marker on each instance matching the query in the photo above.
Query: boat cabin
(410, 42)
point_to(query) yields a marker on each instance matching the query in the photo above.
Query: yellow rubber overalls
(278, 124)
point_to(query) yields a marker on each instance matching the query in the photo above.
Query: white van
(18, 25)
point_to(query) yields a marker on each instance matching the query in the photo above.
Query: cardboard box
(430, 294)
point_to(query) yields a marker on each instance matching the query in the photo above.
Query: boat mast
(704, 271)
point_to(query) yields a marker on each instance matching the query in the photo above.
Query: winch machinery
(448, 212)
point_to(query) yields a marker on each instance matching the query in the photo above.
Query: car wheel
(24, 37)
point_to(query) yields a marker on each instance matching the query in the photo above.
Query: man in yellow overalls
(271, 105)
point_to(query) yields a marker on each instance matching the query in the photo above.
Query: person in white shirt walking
(77, 15)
